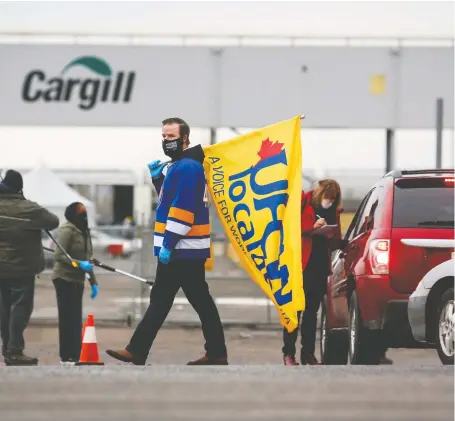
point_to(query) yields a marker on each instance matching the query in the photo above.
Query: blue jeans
(16, 307)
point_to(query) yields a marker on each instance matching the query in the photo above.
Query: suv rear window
(423, 203)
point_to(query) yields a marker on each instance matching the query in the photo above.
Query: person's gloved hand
(155, 168)
(165, 255)
(85, 265)
(94, 291)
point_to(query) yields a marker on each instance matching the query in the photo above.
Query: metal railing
(240, 301)
(123, 300)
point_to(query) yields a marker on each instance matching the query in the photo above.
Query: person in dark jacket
(320, 206)
(21, 259)
(182, 244)
(74, 237)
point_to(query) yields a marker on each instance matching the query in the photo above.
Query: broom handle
(121, 272)
(73, 263)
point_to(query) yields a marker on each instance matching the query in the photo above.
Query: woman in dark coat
(74, 236)
(320, 207)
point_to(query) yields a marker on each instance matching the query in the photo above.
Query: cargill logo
(104, 86)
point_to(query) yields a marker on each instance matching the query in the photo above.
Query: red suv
(365, 309)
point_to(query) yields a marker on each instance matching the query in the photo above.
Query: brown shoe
(125, 356)
(309, 359)
(289, 360)
(205, 360)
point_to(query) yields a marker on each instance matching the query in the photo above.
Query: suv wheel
(446, 326)
(364, 345)
(333, 344)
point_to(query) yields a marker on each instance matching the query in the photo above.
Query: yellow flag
(255, 181)
(209, 262)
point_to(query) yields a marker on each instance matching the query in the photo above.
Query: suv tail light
(379, 256)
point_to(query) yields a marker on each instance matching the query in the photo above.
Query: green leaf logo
(93, 63)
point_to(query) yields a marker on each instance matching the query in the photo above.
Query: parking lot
(254, 387)
(177, 345)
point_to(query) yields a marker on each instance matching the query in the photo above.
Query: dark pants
(16, 307)
(314, 291)
(69, 303)
(188, 274)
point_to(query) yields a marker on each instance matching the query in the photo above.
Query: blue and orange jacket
(182, 215)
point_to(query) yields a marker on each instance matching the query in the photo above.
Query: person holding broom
(74, 237)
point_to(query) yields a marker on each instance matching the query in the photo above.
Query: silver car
(431, 306)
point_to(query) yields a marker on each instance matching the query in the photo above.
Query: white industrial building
(102, 157)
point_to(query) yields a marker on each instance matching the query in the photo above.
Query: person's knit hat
(13, 180)
(73, 210)
(76, 213)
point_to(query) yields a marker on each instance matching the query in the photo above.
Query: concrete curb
(115, 323)
(172, 324)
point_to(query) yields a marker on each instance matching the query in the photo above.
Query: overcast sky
(426, 18)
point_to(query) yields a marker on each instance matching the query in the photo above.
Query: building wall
(335, 87)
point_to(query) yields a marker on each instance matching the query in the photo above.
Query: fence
(240, 301)
(124, 300)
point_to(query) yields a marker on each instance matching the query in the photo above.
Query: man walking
(21, 258)
(182, 244)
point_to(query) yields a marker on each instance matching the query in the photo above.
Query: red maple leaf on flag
(268, 149)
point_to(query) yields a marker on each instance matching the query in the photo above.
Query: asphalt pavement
(256, 386)
(241, 393)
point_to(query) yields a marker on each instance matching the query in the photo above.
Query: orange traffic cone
(83, 331)
(89, 352)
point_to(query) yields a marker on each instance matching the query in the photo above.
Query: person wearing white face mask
(326, 203)
(320, 206)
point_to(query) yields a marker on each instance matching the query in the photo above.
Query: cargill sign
(102, 84)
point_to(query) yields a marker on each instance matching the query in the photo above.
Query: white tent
(44, 187)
